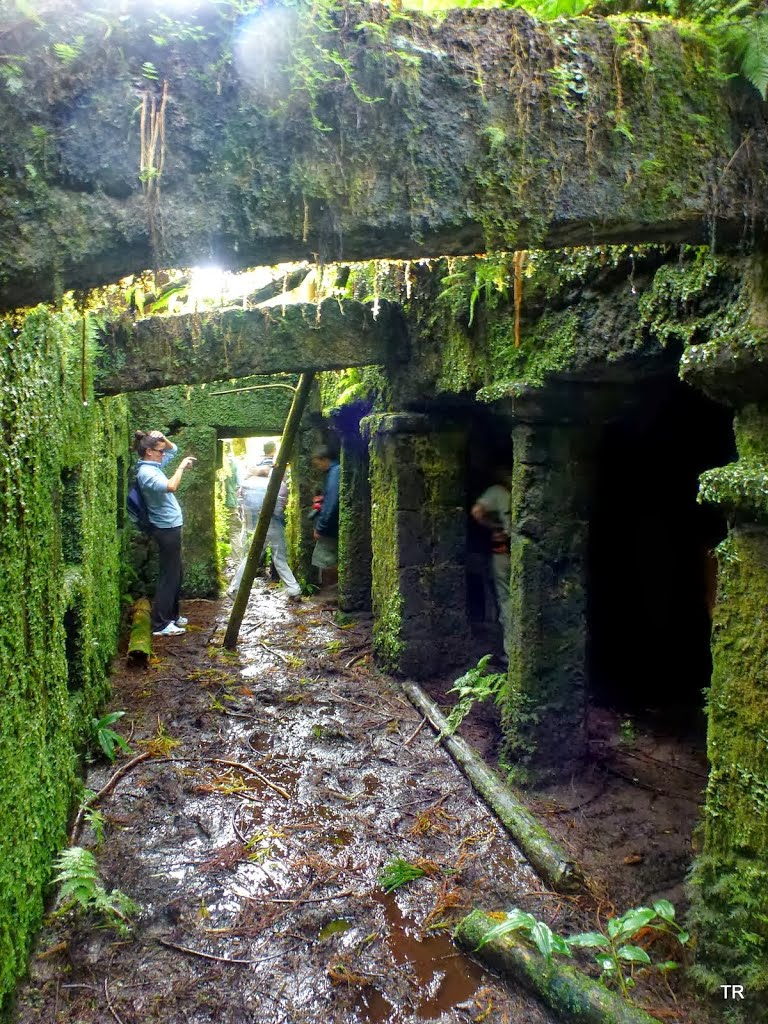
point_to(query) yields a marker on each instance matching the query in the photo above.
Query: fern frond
(747, 44)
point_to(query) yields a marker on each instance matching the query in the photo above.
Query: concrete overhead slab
(484, 129)
(199, 347)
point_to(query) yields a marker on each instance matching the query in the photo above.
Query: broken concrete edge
(574, 996)
(545, 855)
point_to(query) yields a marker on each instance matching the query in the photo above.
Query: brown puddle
(444, 976)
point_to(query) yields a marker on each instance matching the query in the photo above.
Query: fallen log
(140, 642)
(571, 994)
(546, 856)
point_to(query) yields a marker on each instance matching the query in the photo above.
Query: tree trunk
(270, 499)
(545, 855)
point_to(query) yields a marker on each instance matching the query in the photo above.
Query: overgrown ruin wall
(61, 535)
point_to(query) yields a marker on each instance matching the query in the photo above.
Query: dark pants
(165, 607)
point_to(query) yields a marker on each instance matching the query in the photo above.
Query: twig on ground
(665, 764)
(110, 1007)
(205, 956)
(316, 899)
(252, 771)
(415, 732)
(272, 650)
(358, 657)
(104, 791)
(365, 707)
(652, 789)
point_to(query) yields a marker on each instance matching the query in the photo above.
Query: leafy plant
(615, 948)
(475, 685)
(107, 738)
(617, 955)
(82, 889)
(399, 872)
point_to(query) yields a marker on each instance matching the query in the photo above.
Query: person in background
(252, 491)
(155, 451)
(492, 510)
(270, 451)
(325, 557)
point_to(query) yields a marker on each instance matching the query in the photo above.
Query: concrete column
(544, 710)
(354, 526)
(418, 523)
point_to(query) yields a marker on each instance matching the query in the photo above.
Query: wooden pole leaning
(298, 405)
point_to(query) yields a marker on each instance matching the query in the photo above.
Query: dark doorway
(650, 563)
(489, 461)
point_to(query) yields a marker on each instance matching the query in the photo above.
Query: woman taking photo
(155, 451)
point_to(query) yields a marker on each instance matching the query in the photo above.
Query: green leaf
(560, 945)
(606, 963)
(683, 937)
(668, 965)
(109, 719)
(542, 936)
(515, 920)
(634, 954)
(589, 940)
(634, 920)
(664, 909)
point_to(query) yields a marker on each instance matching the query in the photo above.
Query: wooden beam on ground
(140, 642)
(546, 856)
(270, 499)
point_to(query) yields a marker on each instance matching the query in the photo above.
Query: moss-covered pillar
(298, 529)
(354, 525)
(197, 497)
(730, 879)
(418, 527)
(544, 709)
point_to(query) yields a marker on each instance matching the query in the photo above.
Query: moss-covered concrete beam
(192, 349)
(355, 133)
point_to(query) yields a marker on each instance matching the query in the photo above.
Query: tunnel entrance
(650, 563)
(238, 457)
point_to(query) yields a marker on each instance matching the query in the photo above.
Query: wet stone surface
(280, 782)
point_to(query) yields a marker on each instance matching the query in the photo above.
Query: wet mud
(278, 783)
(281, 780)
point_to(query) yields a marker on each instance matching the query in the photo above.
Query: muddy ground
(277, 784)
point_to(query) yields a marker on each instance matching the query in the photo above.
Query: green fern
(746, 42)
(82, 889)
(477, 684)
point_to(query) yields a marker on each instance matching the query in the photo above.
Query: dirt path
(281, 781)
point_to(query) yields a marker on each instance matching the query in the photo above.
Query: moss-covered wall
(730, 880)
(544, 703)
(61, 491)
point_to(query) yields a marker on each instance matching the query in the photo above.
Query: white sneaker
(182, 620)
(170, 630)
